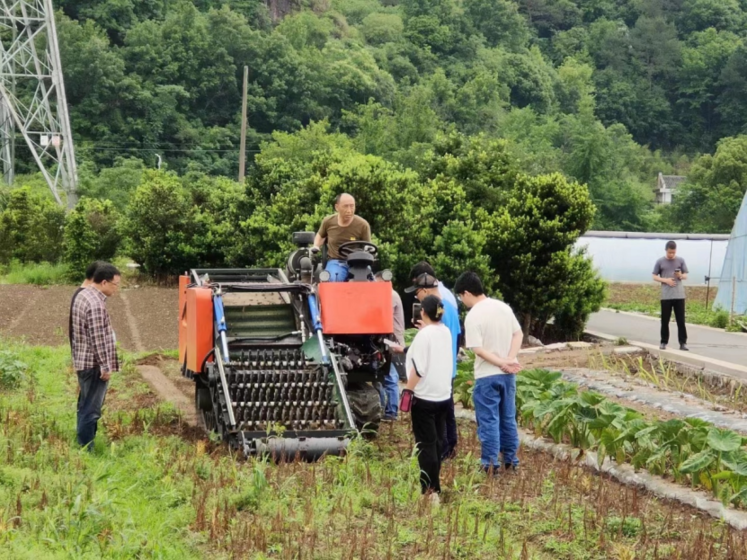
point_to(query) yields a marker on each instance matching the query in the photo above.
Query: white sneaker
(434, 499)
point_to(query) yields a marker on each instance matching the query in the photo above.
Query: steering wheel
(346, 249)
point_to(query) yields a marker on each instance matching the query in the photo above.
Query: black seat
(360, 258)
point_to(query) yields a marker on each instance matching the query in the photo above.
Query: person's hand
(418, 324)
(397, 349)
(105, 375)
(678, 275)
(315, 249)
(513, 367)
(670, 282)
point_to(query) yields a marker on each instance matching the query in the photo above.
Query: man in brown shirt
(339, 228)
(94, 349)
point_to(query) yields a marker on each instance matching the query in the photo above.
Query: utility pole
(32, 95)
(242, 144)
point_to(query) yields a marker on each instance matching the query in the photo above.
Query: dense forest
(608, 92)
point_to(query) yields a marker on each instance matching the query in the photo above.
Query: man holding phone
(670, 271)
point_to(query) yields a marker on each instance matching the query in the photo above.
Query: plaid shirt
(93, 337)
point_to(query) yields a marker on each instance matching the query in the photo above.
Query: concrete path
(703, 341)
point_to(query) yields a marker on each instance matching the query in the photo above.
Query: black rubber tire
(365, 404)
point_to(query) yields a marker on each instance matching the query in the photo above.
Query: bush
(171, 226)
(584, 294)
(530, 244)
(12, 370)
(90, 234)
(31, 227)
(720, 319)
(156, 226)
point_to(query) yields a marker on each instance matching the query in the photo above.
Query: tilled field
(40, 315)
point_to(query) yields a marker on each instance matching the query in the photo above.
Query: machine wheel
(365, 404)
(204, 405)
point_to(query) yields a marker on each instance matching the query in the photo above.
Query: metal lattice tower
(32, 95)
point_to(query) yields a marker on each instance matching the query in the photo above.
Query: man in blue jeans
(337, 229)
(94, 349)
(494, 335)
(389, 393)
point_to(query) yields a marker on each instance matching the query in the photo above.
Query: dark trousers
(667, 306)
(90, 400)
(429, 429)
(449, 442)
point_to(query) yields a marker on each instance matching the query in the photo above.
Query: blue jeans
(338, 270)
(389, 393)
(90, 400)
(495, 409)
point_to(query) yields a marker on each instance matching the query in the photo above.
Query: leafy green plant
(691, 449)
(13, 371)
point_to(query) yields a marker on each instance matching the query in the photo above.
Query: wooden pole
(242, 144)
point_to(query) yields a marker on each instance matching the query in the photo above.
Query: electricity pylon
(32, 95)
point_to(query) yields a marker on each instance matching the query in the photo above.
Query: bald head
(345, 207)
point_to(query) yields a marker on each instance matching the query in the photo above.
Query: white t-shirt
(432, 356)
(490, 325)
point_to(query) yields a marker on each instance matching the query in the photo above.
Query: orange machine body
(199, 328)
(356, 307)
(183, 283)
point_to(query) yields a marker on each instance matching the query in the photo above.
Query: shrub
(530, 244)
(171, 226)
(31, 228)
(12, 370)
(156, 226)
(90, 234)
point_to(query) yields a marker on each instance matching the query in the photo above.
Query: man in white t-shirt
(494, 335)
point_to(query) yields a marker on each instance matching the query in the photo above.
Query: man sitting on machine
(339, 229)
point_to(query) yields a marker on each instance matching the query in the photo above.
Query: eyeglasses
(115, 284)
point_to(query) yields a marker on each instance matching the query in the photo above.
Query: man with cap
(443, 291)
(425, 285)
(339, 228)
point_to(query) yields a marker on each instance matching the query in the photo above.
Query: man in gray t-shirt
(670, 271)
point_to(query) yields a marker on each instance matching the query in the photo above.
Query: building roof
(669, 182)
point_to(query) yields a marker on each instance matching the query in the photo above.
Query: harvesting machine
(284, 360)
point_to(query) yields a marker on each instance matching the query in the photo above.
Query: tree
(31, 228)
(91, 234)
(499, 21)
(530, 241)
(710, 199)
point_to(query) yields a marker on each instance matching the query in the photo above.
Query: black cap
(424, 280)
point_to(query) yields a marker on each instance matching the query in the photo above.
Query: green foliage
(31, 228)
(170, 227)
(710, 200)
(691, 449)
(40, 274)
(90, 234)
(13, 371)
(529, 243)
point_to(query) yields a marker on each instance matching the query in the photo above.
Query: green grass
(41, 274)
(154, 488)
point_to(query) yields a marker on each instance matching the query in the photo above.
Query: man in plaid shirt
(94, 349)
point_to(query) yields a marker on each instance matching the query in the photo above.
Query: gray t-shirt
(399, 318)
(665, 268)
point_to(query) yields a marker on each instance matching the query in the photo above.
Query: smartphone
(416, 312)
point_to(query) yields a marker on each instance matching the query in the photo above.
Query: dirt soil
(649, 294)
(40, 315)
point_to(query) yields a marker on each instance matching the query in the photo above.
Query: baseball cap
(423, 280)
